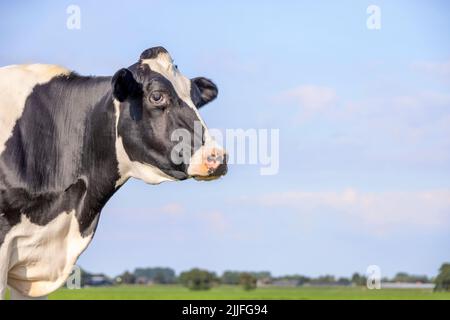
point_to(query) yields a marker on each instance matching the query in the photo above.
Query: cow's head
(160, 134)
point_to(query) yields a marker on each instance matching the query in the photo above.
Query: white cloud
(440, 69)
(379, 212)
(173, 209)
(407, 127)
(311, 98)
(214, 221)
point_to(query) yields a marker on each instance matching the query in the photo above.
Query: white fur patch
(16, 84)
(40, 258)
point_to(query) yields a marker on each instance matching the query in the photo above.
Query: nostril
(225, 159)
(221, 170)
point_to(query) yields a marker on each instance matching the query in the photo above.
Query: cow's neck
(99, 166)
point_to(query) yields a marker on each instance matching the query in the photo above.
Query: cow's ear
(207, 89)
(124, 85)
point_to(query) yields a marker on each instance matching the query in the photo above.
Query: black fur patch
(124, 85)
(203, 91)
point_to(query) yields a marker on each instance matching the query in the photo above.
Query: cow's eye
(158, 98)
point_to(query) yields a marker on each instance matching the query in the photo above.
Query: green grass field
(169, 292)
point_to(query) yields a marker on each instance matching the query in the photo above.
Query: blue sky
(364, 120)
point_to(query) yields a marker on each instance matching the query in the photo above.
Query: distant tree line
(157, 275)
(200, 279)
(443, 279)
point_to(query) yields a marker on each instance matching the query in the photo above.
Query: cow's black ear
(124, 85)
(207, 89)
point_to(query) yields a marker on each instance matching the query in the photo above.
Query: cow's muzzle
(208, 163)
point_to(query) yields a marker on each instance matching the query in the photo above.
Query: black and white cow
(69, 142)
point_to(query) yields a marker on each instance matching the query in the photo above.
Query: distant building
(97, 280)
(285, 283)
(263, 282)
(144, 280)
(406, 285)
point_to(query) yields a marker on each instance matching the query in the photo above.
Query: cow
(69, 142)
